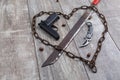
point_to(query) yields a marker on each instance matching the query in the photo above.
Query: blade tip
(44, 65)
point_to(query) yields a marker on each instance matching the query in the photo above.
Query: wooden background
(20, 58)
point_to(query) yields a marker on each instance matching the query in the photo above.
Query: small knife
(89, 35)
(69, 37)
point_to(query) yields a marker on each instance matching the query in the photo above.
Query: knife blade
(69, 37)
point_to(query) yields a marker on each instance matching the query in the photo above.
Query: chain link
(91, 64)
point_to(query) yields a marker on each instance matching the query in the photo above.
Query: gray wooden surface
(20, 58)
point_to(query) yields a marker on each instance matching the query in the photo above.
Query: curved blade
(69, 37)
(85, 43)
(89, 35)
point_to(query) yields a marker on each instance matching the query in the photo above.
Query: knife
(69, 37)
(89, 35)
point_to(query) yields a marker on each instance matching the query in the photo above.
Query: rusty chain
(91, 63)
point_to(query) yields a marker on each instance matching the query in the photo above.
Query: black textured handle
(47, 25)
(49, 30)
(52, 19)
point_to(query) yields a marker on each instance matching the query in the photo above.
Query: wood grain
(35, 7)
(17, 56)
(111, 10)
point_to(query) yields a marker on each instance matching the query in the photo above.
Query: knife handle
(95, 2)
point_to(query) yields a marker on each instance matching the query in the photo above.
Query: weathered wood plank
(64, 68)
(35, 6)
(17, 58)
(114, 29)
(111, 9)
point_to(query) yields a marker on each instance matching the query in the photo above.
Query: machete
(69, 37)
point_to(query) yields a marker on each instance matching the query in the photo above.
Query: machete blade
(68, 38)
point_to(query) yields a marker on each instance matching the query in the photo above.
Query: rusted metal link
(45, 42)
(69, 54)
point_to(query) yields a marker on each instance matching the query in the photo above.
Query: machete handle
(95, 2)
